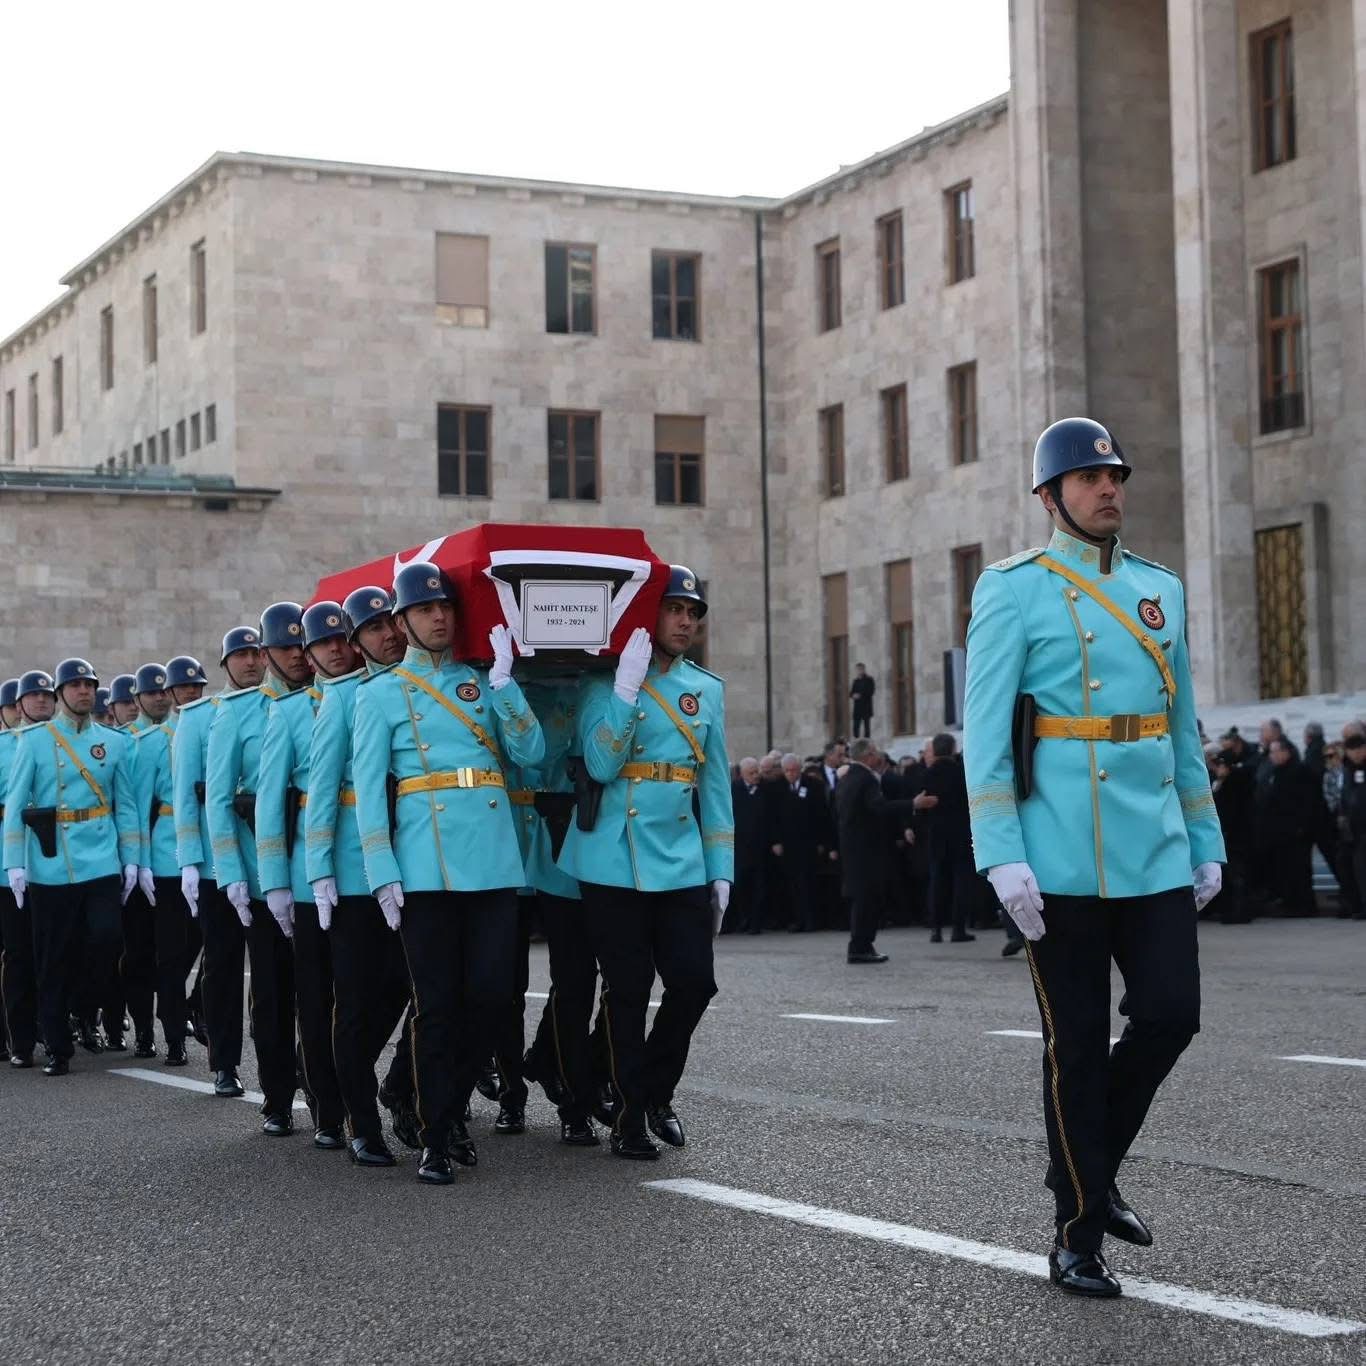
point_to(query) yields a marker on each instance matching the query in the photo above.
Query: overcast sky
(108, 106)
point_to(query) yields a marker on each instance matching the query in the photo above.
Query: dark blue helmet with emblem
(35, 680)
(121, 688)
(323, 620)
(74, 670)
(282, 625)
(183, 670)
(1075, 443)
(239, 638)
(9, 692)
(150, 678)
(421, 582)
(683, 583)
(101, 707)
(363, 605)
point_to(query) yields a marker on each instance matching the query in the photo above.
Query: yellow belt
(87, 813)
(164, 810)
(459, 777)
(523, 796)
(659, 772)
(346, 797)
(1128, 726)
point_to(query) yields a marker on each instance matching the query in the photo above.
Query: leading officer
(1103, 842)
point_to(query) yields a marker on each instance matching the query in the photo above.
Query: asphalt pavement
(863, 1188)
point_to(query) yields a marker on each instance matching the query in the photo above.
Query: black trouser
(272, 1009)
(634, 934)
(509, 1040)
(951, 889)
(749, 899)
(313, 999)
(865, 912)
(138, 965)
(461, 950)
(194, 941)
(1293, 874)
(225, 945)
(171, 921)
(863, 719)
(562, 1043)
(799, 877)
(370, 988)
(76, 926)
(1095, 1096)
(18, 980)
(397, 1087)
(99, 987)
(1359, 876)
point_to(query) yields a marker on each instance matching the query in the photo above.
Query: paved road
(830, 1166)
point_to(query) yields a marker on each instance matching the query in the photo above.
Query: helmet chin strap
(1056, 489)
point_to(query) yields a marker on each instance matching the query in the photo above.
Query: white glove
(130, 880)
(633, 665)
(148, 885)
(18, 884)
(390, 898)
(1018, 892)
(501, 673)
(720, 899)
(325, 899)
(239, 895)
(1209, 879)
(280, 900)
(189, 889)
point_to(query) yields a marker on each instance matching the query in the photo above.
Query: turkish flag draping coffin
(570, 595)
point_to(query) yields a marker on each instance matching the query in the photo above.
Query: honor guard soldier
(654, 738)
(123, 705)
(235, 739)
(1103, 842)
(437, 733)
(70, 828)
(102, 715)
(282, 793)
(369, 977)
(16, 923)
(224, 937)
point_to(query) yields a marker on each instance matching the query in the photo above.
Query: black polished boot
(665, 1125)
(1081, 1273)
(1121, 1222)
(435, 1168)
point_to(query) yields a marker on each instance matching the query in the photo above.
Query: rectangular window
(835, 607)
(149, 320)
(180, 439)
(674, 278)
(137, 454)
(199, 289)
(1282, 612)
(9, 424)
(462, 451)
(1273, 96)
(900, 629)
(33, 412)
(462, 279)
(967, 569)
(107, 347)
(828, 306)
(962, 257)
(573, 455)
(1281, 347)
(165, 445)
(678, 461)
(151, 445)
(194, 431)
(832, 449)
(890, 267)
(58, 402)
(210, 424)
(963, 413)
(895, 440)
(569, 287)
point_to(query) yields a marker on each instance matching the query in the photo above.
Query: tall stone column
(1213, 336)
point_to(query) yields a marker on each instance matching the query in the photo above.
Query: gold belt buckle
(1125, 727)
(465, 777)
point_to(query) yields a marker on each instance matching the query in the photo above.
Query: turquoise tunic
(331, 831)
(1105, 818)
(155, 787)
(284, 764)
(556, 707)
(189, 766)
(647, 834)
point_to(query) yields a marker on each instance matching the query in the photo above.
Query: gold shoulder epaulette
(1022, 558)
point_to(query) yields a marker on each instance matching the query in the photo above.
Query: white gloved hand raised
(720, 899)
(189, 888)
(18, 884)
(325, 899)
(130, 880)
(500, 638)
(280, 901)
(239, 895)
(390, 898)
(1019, 893)
(633, 665)
(1209, 881)
(148, 885)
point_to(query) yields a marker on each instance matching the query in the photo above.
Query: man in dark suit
(952, 874)
(751, 848)
(803, 820)
(865, 819)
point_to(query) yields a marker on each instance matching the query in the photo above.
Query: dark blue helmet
(185, 669)
(420, 582)
(683, 583)
(282, 625)
(150, 678)
(322, 621)
(365, 604)
(101, 702)
(239, 638)
(1075, 443)
(74, 670)
(9, 692)
(35, 680)
(121, 688)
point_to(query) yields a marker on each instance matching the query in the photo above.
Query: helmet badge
(1103, 447)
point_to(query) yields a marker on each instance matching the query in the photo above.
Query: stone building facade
(826, 403)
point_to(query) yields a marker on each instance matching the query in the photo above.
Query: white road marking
(545, 996)
(188, 1084)
(1026, 1034)
(842, 1019)
(1253, 1312)
(1331, 1062)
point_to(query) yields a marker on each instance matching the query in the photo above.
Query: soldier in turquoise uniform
(123, 705)
(235, 740)
(16, 922)
(657, 866)
(1103, 842)
(74, 784)
(369, 976)
(447, 874)
(223, 935)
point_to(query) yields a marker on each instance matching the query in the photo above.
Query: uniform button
(635, 780)
(426, 746)
(683, 818)
(441, 806)
(1090, 636)
(417, 716)
(1094, 685)
(1157, 598)
(1166, 644)
(640, 749)
(1102, 775)
(1073, 594)
(479, 709)
(1166, 780)
(633, 812)
(493, 801)
(640, 716)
